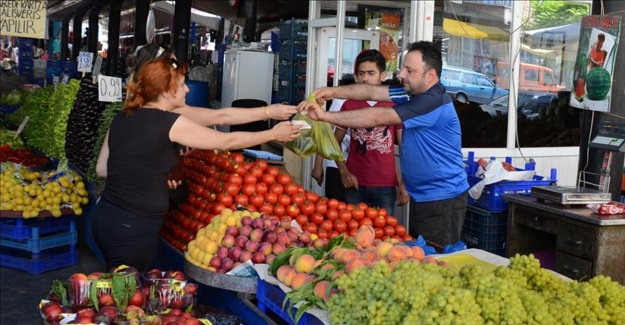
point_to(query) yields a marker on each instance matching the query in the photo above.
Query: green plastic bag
(319, 139)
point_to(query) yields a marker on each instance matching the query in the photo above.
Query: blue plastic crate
(299, 50)
(6, 109)
(291, 29)
(485, 230)
(52, 259)
(22, 229)
(37, 244)
(270, 298)
(491, 199)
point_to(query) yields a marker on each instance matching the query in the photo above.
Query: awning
(458, 28)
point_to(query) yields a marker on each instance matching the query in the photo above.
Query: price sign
(97, 66)
(110, 89)
(55, 80)
(65, 79)
(85, 61)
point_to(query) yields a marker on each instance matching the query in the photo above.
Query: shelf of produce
(221, 281)
(42, 214)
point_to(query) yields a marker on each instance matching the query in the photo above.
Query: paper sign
(97, 66)
(65, 79)
(23, 18)
(55, 80)
(110, 89)
(85, 61)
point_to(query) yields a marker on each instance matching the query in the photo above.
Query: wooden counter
(586, 244)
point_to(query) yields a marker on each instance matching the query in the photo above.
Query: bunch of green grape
(521, 293)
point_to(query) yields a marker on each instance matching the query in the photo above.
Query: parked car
(532, 77)
(467, 85)
(529, 104)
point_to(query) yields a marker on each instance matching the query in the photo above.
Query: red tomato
(311, 228)
(298, 199)
(407, 238)
(284, 200)
(277, 188)
(250, 179)
(235, 179)
(225, 199)
(382, 212)
(273, 171)
(256, 171)
(231, 189)
(358, 213)
(333, 204)
(340, 226)
(349, 207)
(366, 222)
(262, 164)
(271, 198)
(371, 213)
(389, 231)
(332, 214)
(362, 206)
(248, 189)
(293, 211)
(390, 220)
(379, 222)
(334, 234)
(279, 210)
(217, 208)
(290, 188)
(342, 206)
(301, 219)
(241, 171)
(268, 179)
(327, 225)
(284, 179)
(316, 218)
(353, 232)
(257, 200)
(321, 207)
(322, 234)
(312, 197)
(352, 224)
(345, 215)
(400, 230)
(237, 157)
(242, 199)
(266, 208)
(261, 188)
(379, 233)
(307, 208)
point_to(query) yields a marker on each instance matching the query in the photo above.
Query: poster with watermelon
(594, 64)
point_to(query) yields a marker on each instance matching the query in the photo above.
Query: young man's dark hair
(431, 55)
(370, 56)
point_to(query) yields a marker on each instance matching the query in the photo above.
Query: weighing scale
(611, 138)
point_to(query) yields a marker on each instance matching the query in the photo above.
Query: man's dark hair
(601, 37)
(148, 53)
(370, 56)
(431, 55)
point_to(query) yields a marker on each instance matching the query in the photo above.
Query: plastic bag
(319, 139)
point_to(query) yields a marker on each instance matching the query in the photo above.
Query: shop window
(481, 43)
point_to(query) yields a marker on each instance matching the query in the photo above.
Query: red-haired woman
(139, 151)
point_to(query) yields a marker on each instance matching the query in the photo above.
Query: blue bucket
(198, 94)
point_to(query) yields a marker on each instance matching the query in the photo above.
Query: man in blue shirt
(431, 158)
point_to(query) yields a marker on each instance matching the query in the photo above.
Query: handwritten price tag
(85, 61)
(110, 89)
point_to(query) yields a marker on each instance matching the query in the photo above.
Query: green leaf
(93, 295)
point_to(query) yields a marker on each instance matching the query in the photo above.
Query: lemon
(210, 247)
(6, 197)
(28, 200)
(56, 212)
(206, 259)
(34, 203)
(77, 211)
(80, 185)
(8, 206)
(34, 213)
(65, 198)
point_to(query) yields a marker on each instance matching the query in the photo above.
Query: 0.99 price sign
(109, 89)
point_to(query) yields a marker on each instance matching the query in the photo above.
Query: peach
(417, 252)
(337, 274)
(348, 256)
(396, 253)
(368, 255)
(305, 264)
(321, 289)
(282, 272)
(406, 249)
(337, 253)
(429, 260)
(328, 266)
(288, 277)
(301, 279)
(365, 236)
(354, 265)
(383, 248)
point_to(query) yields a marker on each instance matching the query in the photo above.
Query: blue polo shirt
(431, 156)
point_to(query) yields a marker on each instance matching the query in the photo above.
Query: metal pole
(182, 24)
(141, 18)
(113, 50)
(515, 49)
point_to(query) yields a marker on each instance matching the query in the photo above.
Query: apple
(86, 312)
(270, 236)
(258, 223)
(258, 257)
(106, 299)
(285, 223)
(275, 221)
(257, 235)
(245, 256)
(227, 241)
(292, 233)
(216, 261)
(222, 252)
(269, 259)
(190, 288)
(176, 275)
(234, 253)
(52, 311)
(240, 241)
(252, 246)
(192, 321)
(284, 239)
(305, 238)
(109, 311)
(54, 297)
(265, 248)
(94, 275)
(232, 231)
(246, 221)
(176, 303)
(318, 243)
(246, 231)
(226, 264)
(267, 223)
(83, 320)
(278, 248)
(137, 298)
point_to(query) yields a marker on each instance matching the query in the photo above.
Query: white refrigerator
(247, 75)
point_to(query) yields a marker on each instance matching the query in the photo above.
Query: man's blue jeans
(382, 197)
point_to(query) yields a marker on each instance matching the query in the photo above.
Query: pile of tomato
(226, 180)
(23, 157)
